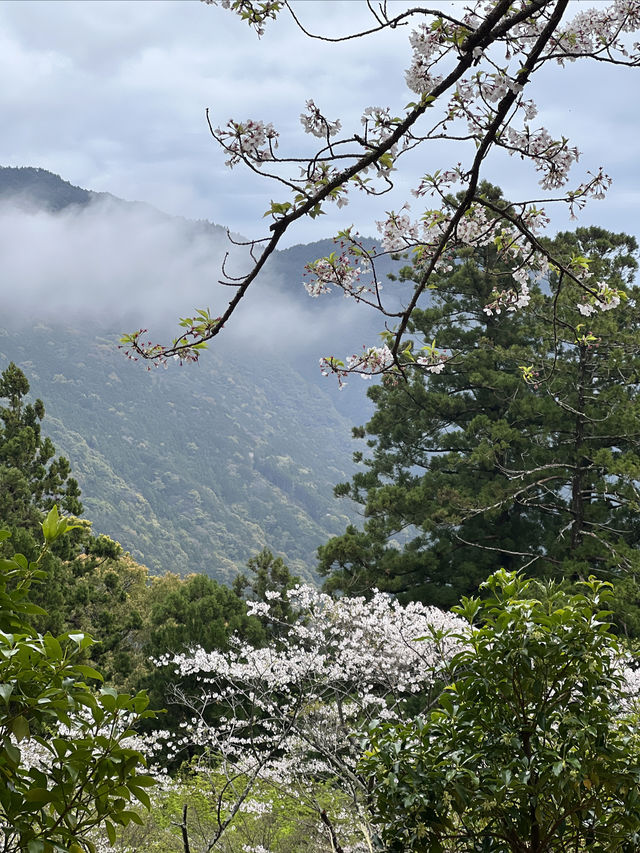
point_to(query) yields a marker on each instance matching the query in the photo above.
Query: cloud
(111, 95)
(106, 260)
(125, 266)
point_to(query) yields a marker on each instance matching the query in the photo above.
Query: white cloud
(106, 260)
(123, 267)
(111, 95)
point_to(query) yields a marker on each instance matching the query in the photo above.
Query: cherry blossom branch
(385, 23)
(445, 50)
(505, 105)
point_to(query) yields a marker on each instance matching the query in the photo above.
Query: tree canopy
(32, 479)
(472, 468)
(533, 747)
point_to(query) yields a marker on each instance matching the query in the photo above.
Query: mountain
(38, 189)
(192, 469)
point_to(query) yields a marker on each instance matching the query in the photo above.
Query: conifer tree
(522, 453)
(32, 479)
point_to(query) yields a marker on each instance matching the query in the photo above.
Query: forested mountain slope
(194, 468)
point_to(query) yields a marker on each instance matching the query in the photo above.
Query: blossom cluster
(605, 299)
(398, 231)
(508, 299)
(431, 359)
(372, 361)
(429, 45)
(316, 124)
(293, 712)
(249, 141)
(597, 30)
(336, 270)
(552, 157)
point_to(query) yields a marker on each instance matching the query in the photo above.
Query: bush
(65, 767)
(533, 746)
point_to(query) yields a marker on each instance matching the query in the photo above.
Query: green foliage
(269, 819)
(269, 575)
(196, 610)
(475, 468)
(110, 598)
(65, 767)
(531, 748)
(100, 591)
(31, 479)
(192, 470)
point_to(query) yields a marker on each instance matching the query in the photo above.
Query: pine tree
(524, 453)
(32, 479)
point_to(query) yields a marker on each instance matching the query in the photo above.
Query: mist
(124, 266)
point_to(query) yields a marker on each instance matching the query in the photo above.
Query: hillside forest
(203, 649)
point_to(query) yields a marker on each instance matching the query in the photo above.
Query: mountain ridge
(192, 469)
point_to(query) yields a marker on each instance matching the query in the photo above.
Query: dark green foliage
(531, 750)
(198, 611)
(80, 593)
(64, 769)
(269, 575)
(31, 478)
(192, 470)
(475, 468)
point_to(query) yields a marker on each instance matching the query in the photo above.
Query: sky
(112, 97)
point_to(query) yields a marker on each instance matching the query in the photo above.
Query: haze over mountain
(192, 469)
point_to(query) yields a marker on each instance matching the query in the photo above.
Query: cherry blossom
(249, 140)
(316, 124)
(294, 713)
(334, 270)
(469, 72)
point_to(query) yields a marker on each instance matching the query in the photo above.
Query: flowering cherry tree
(469, 73)
(294, 714)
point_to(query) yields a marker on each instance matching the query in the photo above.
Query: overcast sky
(111, 96)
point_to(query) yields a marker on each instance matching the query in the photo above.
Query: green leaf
(53, 647)
(20, 728)
(50, 525)
(5, 691)
(32, 609)
(12, 752)
(39, 795)
(111, 832)
(88, 671)
(140, 795)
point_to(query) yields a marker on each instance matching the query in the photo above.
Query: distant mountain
(344, 326)
(193, 469)
(41, 189)
(33, 189)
